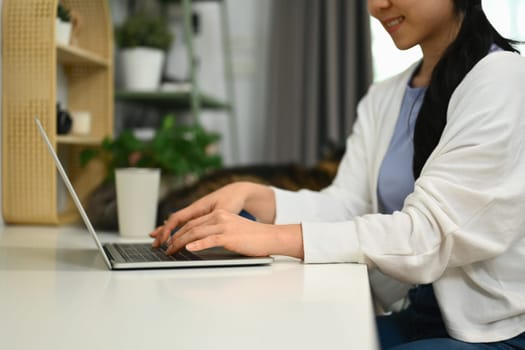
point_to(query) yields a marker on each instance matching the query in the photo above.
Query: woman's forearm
(283, 239)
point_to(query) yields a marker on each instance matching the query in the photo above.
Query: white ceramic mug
(137, 200)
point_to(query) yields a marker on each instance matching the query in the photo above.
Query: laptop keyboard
(145, 252)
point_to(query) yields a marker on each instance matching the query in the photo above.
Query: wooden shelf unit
(29, 66)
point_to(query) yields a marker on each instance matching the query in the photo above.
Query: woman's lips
(393, 24)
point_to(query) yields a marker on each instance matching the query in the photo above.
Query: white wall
(249, 33)
(249, 28)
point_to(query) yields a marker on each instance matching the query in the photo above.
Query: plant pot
(141, 68)
(62, 32)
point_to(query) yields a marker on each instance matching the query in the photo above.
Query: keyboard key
(145, 252)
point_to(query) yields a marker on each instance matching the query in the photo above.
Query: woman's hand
(257, 199)
(240, 235)
(224, 229)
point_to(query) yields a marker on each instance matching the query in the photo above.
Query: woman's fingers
(156, 231)
(211, 226)
(205, 243)
(195, 234)
(159, 236)
(228, 199)
(184, 215)
(156, 235)
(163, 233)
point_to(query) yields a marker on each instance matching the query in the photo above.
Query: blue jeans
(421, 327)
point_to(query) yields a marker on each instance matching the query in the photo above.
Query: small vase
(62, 32)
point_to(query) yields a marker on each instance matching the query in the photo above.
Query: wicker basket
(30, 57)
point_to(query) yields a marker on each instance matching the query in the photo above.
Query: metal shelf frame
(195, 96)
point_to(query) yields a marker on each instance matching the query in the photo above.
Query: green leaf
(177, 149)
(143, 29)
(87, 155)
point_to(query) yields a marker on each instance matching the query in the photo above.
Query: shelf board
(169, 99)
(71, 55)
(79, 140)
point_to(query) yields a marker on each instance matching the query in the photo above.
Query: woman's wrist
(287, 240)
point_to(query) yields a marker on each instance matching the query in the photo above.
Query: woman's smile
(393, 24)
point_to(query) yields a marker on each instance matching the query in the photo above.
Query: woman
(430, 191)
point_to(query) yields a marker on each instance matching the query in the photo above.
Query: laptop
(124, 256)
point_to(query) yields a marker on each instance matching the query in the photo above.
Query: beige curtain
(320, 66)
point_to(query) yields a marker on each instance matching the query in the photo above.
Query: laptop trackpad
(219, 253)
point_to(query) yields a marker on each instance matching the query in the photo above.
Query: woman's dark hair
(472, 43)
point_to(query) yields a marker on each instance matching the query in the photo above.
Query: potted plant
(180, 151)
(63, 25)
(143, 40)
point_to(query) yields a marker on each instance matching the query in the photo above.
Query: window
(389, 60)
(505, 17)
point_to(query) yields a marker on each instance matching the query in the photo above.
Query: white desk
(55, 293)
